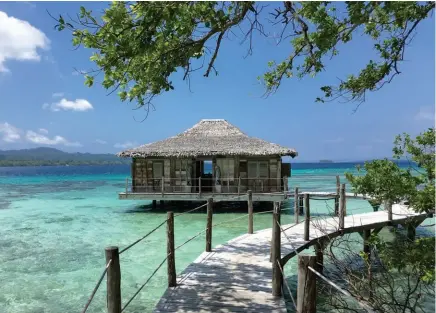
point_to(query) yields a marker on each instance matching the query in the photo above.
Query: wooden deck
(237, 276)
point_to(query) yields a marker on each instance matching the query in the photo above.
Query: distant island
(326, 161)
(49, 156)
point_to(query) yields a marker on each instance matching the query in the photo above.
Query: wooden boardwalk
(237, 276)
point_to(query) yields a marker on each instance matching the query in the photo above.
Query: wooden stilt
(411, 231)
(296, 203)
(171, 260)
(276, 255)
(319, 251)
(113, 280)
(209, 225)
(338, 190)
(367, 251)
(306, 216)
(250, 211)
(306, 292)
(153, 204)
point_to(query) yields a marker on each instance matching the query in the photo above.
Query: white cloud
(125, 145)
(9, 133)
(425, 113)
(336, 140)
(44, 140)
(19, 41)
(43, 131)
(102, 142)
(64, 104)
(58, 95)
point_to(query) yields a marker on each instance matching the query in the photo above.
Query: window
(257, 169)
(182, 174)
(227, 168)
(157, 170)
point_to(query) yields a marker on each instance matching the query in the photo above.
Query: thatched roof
(209, 138)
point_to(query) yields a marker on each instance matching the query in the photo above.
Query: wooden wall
(142, 173)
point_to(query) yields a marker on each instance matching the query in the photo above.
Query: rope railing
(287, 285)
(328, 281)
(144, 284)
(143, 237)
(96, 287)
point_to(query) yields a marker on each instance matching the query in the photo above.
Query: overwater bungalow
(212, 158)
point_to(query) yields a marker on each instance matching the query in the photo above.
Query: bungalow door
(158, 175)
(258, 175)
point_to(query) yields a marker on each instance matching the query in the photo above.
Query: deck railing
(112, 264)
(208, 185)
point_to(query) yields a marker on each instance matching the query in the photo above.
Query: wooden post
(127, 184)
(199, 185)
(296, 208)
(388, 205)
(171, 260)
(300, 205)
(276, 254)
(338, 190)
(411, 231)
(306, 217)
(239, 185)
(209, 225)
(342, 207)
(319, 252)
(113, 280)
(153, 205)
(366, 236)
(367, 250)
(250, 212)
(163, 186)
(285, 183)
(306, 289)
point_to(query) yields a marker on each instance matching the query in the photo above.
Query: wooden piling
(319, 252)
(113, 280)
(366, 237)
(250, 211)
(296, 208)
(338, 190)
(171, 259)
(367, 250)
(306, 216)
(301, 205)
(306, 289)
(209, 225)
(342, 212)
(153, 204)
(411, 231)
(388, 208)
(276, 254)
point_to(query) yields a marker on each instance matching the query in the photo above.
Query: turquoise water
(56, 222)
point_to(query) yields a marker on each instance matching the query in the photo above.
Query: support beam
(319, 251)
(209, 225)
(338, 187)
(250, 211)
(276, 253)
(342, 210)
(306, 216)
(171, 258)
(306, 292)
(113, 280)
(296, 207)
(411, 231)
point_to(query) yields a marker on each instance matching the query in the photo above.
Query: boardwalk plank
(236, 276)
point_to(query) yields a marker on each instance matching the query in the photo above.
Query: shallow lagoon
(56, 222)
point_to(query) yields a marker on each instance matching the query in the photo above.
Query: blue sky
(39, 90)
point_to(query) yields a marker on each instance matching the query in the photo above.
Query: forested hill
(51, 156)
